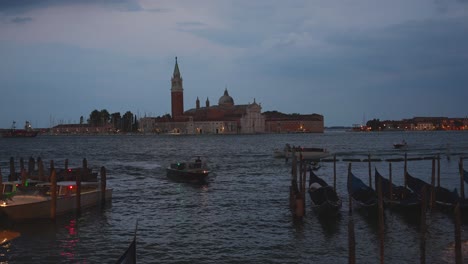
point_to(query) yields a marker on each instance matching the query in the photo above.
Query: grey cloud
(15, 6)
(21, 20)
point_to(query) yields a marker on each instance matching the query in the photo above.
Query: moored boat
(324, 198)
(36, 202)
(400, 145)
(363, 195)
(396, 196)
(189, 171)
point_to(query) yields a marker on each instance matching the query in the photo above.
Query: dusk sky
(348, 60)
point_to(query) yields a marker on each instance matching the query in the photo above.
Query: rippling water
(242, 214)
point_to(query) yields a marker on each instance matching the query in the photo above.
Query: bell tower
(177, 93)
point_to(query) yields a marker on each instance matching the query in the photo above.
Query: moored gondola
(444, 198)
(324, 198)
(397, 197)
(362, 195)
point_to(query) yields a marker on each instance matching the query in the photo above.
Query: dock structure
(298, 205)
(53, 176)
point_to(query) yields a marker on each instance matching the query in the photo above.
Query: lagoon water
(242, 215)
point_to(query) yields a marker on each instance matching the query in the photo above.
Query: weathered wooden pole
(370, 171)
(334, 172)
(31, 166)
(422, 245)
(40, 168)
(381, 220)
(85, 169)
(349, 190)
(351, 242)
(433, 194)
(462, 179)
(391, 180)
(24, 177)
(21, 164)
(12, 176)
(1, 182)
(104, 185)
(52, 167)
(438, 170)
(53, 194)
(304, 177)
(78, 193)
(405, 170)
(458, 245)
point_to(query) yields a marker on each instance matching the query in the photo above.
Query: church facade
(224, 118)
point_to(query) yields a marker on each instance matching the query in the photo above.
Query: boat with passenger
(188, 171)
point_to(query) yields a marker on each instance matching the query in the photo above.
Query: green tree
(94, 118)
(104, 117)
(127, 121)
(116, 120)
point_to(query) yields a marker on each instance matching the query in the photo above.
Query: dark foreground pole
(381, 220)
(458, 245)
(103, 185)
(422, 245)
(462, 180)
(12, 176)
(53, 195)
(334, 172)
(351, 242)
(350, 199)
(40, 168)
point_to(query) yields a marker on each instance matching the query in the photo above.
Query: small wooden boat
(396, 196)
(35, 203)
(363, 195)
(190, 171)
(400, 145)
(305, 153)
(324, 198)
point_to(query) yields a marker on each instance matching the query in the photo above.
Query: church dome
(226, 99)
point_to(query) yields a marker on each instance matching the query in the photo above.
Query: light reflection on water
(241, 215)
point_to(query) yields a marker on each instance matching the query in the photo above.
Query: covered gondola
(443, 196)
(396, 196)
(362, 195)
(324, 198)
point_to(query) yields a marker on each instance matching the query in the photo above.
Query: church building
(224, 118)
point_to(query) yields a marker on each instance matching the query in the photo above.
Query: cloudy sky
(349, 60)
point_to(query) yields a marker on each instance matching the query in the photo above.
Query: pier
(458, 211)
(51, 184)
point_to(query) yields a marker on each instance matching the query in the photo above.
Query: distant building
(224, 118)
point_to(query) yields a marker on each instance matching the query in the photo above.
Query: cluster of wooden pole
(52, 178)
(297, 191)
(297, 204)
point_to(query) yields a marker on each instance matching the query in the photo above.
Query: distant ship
(26, 132)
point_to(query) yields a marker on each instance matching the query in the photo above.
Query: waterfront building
(224, 118)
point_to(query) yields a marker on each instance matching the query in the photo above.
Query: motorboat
(307, 153)
(400, 145)
(188, 171)
(35, 202)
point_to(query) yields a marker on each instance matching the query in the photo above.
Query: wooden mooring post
(405, 170)
(350, 198)
(351, 242)
(1, 182)
(40, 168)
(433, 193)
(391, 180)
(423, 230)
(12, 176)
(458, 244)
(334, 172)
(462, 179)
(31, 166)
(381, 220)
(103, 185)
(370, 170)
(53, 194)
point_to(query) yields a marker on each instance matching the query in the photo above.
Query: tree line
(126, 123)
